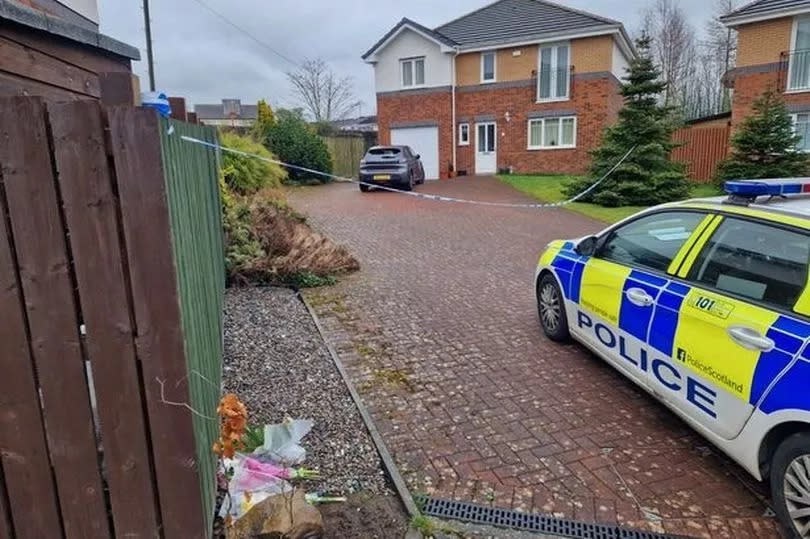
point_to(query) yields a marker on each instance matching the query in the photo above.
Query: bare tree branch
(324, 95)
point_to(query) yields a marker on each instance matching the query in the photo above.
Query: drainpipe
(453, 111)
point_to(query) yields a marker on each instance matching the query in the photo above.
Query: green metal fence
(191, 172)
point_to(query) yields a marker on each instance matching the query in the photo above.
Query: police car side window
(754, 260)
(652, 241)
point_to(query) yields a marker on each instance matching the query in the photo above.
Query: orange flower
(233, 425)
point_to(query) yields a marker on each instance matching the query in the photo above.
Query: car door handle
(640, 297)
(750, 339)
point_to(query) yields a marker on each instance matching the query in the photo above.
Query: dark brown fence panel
(26, 467)
(91, 218)
(159, 338)
(701, 150)
(47, 286)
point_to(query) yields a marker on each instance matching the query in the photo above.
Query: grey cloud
(202, 58)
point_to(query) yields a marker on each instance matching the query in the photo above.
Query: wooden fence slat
(23, 448)
(159, 340)
(54, 329)
(701, 150)
(91, 218)
(6, 529)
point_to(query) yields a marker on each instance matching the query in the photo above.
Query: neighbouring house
(367, 124)
(773, 52)
(229, 113)
(53, 49)
(522, 85)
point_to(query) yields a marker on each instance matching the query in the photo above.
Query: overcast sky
(199, 56)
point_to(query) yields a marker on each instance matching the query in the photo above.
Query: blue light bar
(756, 188)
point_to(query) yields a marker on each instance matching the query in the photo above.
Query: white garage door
(425, 142)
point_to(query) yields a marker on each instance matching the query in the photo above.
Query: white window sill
(413, 87)
(463, 143)
(488, 81)
(799, 91)
(546, 148)
(553, 100)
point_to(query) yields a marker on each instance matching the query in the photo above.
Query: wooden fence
(110, 287)
(702, 148)
(347, 150)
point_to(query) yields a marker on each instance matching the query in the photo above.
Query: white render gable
(405, 45)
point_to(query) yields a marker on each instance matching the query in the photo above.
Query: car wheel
(408, 186)
(551, 308)
(364, 188)
(790, 484)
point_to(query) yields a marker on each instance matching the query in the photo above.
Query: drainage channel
(507, 518)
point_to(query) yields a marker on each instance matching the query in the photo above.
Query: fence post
(159, 337)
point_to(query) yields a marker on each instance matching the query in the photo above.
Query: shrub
(295, 142)
(765, 144)
(247, 175)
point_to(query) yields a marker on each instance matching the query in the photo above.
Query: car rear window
(384, 151)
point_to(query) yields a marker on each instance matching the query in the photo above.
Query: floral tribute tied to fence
(111, 289)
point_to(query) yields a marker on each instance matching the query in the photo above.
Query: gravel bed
(278, 365)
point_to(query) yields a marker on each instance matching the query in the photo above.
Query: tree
(647, 176)
(673, 47)
(765, 144)
(265, 119)
(721, 47)
(324, 95)
(295, 142)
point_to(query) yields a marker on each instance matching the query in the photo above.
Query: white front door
(486, 155)
(423, 141)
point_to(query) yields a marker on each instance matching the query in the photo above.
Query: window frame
(793, 117)
(789, 311)
(554, 71)
(794, 36)
(461, 140)
(542, 145)
(412, 60)
(494, 67)
(603, 238)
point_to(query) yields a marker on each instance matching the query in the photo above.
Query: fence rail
(701, 150)
(111, 290)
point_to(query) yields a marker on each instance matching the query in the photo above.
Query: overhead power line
(247, 33)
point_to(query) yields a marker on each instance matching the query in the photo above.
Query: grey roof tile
(512, 20)
(217, 112)
(764, 7)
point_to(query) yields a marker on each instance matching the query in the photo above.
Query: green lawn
(549, 189)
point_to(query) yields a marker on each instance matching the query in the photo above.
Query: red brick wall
(419, 107)
(594, 101)
(747, 87)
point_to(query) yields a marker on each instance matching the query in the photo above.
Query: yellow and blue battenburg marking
(772, 381)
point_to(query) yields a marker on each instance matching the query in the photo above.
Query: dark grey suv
(395, 166)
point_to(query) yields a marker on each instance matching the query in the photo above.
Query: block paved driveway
(440, 334)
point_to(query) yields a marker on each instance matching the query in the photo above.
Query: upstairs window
(487, 67)
(553, 75)
(413, 72)
(799, 67)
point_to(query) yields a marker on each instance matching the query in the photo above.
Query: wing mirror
(418, 156)
(587, 247)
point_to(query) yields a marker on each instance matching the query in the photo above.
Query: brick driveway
(439, 332)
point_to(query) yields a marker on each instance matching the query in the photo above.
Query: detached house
(773, 52)
(526, 85)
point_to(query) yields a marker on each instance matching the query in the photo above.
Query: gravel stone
(278, 365)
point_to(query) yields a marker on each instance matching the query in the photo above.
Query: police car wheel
(790, 484)
(551, 308)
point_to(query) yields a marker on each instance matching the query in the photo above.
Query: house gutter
(453, 110)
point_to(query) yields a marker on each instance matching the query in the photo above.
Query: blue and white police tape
(417, 194)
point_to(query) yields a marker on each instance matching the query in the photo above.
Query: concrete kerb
(382, 449)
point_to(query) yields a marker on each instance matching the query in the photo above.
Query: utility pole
(150, 61)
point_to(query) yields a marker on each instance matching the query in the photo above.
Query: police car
(706, 305)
